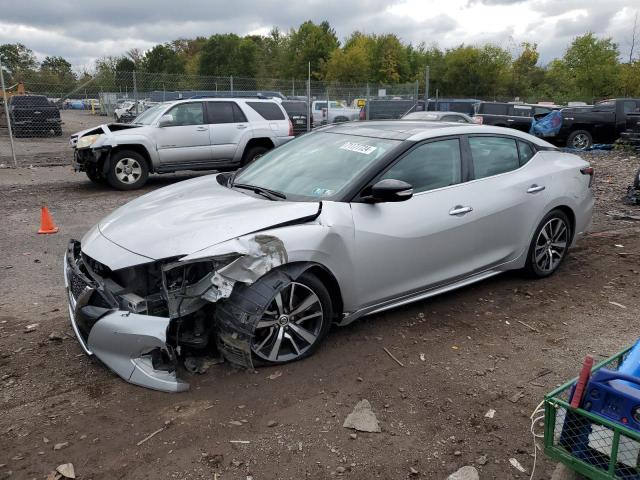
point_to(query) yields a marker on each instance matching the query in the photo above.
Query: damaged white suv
(346, 221)
(193, 134)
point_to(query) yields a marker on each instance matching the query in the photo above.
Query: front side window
(316, 166)
(187, 114)
(429, 166)
(493, 155)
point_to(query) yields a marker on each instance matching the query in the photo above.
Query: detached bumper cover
(132, 345)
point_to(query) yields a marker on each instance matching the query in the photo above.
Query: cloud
(83, 30)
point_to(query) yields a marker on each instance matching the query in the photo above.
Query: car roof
(223, 99)
(416, 131)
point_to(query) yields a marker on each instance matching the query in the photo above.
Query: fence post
(309, 113)
(327, 92)
(426, 86)
(231, 84)
(135, 91)
(6, 112)
(366, 105)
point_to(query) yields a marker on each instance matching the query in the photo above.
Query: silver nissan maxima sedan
(347, 221)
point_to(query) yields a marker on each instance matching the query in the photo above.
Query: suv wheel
(128, 170)
(549, 244)
(252, 153)
(580, 140)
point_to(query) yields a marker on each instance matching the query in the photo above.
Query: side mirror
(166, 120)
(390, 190)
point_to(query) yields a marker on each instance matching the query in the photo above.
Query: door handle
(535, 188)
(460, 210)
(240, 127)
(510, 120)
(202, 129)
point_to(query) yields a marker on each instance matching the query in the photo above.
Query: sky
(84, 30)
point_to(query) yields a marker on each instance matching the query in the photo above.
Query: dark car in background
(297, 112)
(512, 115)
(376, 109)
(33, 116)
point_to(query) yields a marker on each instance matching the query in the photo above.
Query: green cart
(590, 444)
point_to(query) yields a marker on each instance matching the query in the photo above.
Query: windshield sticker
(358, 147)
(321, 192)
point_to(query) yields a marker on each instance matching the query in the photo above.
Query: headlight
(87, 141)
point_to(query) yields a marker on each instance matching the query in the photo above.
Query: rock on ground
(465, 473)
(362, 418)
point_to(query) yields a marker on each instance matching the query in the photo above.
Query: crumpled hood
(194, 214)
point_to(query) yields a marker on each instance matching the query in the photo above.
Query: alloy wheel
(551, 245)
(580, 141)
(128, 170)
(290, 325)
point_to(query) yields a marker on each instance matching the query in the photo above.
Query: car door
(227, 126)
(184, 141)
(424, 241)
(520, 117)
(508, 195)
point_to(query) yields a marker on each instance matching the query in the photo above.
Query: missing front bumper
(132, 345)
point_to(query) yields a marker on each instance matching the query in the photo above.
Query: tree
(390, 63)
(163, 59)
(56, 71)
(593, 65)
(351, 64)
(313, 44)
(525, 73)
(17, 60)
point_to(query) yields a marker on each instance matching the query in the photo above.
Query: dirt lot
(477, 356)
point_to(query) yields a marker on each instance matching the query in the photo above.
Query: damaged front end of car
(141, 320)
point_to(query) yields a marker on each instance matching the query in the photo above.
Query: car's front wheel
(128, 170)
(549, 245)
(294, 322)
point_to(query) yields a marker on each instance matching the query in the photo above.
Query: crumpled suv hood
(194, 214)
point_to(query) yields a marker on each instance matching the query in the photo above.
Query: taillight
(588, 171)
(478, 119)
(290, 129)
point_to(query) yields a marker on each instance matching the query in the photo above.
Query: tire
(549, 245)
(306, 336)
(128, 170)
(251, 153)
(579, 139)
(636, 180)
(57, 131)
(95, 176)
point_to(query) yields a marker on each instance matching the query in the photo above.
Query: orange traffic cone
(46, 222)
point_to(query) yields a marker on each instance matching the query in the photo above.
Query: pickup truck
(512, 115)
(34, 115)
(334, 112)
(599, 123)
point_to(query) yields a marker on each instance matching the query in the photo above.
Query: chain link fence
(42, 116)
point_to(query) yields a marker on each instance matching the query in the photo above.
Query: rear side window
(493, 155)
(520, 111)
(224, 112)
(540, 110)
(429, 166)
(630, 106)
(526, 152)
(268, 110)
(494, 108)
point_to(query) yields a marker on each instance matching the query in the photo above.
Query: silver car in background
(346, 221)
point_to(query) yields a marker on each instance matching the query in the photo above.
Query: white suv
(194, 134)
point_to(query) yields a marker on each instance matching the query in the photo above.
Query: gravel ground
(57, 405)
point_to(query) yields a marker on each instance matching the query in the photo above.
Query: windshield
(316, 166)
(421, 116)
(148, 116)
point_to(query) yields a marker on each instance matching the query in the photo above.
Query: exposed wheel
(128, 170)
(252, 153)
(294, 323)
(580, 140)
(95, 176)
(549, 245)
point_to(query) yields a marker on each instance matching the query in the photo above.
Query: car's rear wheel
(252, 153)
(128, 170)
(549, 245)
(580, 140)
(294, 322)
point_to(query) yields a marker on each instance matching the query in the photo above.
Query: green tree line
(590, 68)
